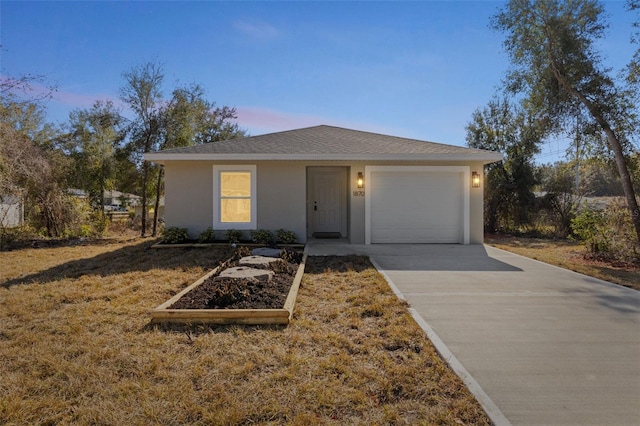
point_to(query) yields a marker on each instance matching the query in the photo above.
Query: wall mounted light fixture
(475, 180)
(360, 181)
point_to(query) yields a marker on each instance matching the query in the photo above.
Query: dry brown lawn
(569, 255)
(77, 347)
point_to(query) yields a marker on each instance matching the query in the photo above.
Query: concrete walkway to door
(536, 344)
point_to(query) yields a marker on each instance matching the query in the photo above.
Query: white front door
(327, 200)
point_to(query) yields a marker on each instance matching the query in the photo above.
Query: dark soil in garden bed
(232, 293)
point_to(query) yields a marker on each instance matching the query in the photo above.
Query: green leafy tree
(142, 92)
(563, 192)
(185, 119)
(93, 139)
(31, 166)
(633, 69)
(24, 113)
(509, 198)
(219, 125)
(552, 47)
(190, 119)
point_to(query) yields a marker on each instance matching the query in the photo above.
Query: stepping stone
(266, 251)
(257, 260)
(244, 272)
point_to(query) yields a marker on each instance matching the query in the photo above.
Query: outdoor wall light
(360, 180)
(475, 180)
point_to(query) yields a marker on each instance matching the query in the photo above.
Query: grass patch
(569, 255)
(77, 347)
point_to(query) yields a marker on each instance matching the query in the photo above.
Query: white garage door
(416, 205)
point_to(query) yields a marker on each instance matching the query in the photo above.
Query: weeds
(570, 255)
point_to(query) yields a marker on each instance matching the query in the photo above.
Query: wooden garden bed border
(201, 245)
(162, 314)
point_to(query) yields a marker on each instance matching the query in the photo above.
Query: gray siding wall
(282, 196)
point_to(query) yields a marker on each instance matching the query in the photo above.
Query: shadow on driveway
(419, 257)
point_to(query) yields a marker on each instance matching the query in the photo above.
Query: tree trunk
(101, 198)
(145, 177)
(621, 163)
(157, 205)
(625, 178)
(614, 144)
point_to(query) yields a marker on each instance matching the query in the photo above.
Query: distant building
(78, 193)
(138, 209)
(116, 200)
(11, 211)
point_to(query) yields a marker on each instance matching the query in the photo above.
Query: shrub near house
(176, 235)
(607, 232)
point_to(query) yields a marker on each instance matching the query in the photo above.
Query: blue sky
(414, 69)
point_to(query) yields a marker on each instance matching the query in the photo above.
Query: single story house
(327, 181)
(120, 200)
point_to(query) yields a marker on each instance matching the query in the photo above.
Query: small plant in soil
(228, 292)
(262, 236)
(207, 236)
(286, 237)
(242, 251)
(174, 235)
(282, 267)
(233, 235)
(291, 256)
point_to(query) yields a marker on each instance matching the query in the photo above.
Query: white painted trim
(217, 224)
(161, 158)
(466, 183)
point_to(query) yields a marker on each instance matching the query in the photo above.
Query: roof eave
(484, 157)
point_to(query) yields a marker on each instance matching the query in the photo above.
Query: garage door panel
(416, 207)
(401, 215)
(424, 235)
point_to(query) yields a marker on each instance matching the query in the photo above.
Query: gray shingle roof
(318, 141)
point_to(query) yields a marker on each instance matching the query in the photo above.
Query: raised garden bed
(215, 299)
(196, 244)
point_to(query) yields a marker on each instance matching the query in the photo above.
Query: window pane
(235, 210)
(235, 184)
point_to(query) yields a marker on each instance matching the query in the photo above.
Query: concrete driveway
(535, 343)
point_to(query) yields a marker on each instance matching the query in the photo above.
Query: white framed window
(234, 197)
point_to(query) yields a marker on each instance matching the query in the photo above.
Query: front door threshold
(327, 235)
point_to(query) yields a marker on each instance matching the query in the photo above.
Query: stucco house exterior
(327, 181)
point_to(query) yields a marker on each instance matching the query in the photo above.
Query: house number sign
(358, 193)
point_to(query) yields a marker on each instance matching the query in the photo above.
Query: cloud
(76, 100)
(35, 90)
(259, 120)
(257, 30)
(265, 120)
